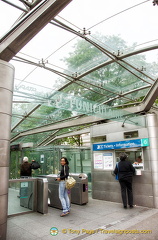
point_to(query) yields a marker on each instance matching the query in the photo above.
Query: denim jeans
(63, 196)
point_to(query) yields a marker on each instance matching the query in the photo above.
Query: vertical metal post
(152, 124)
(81, 159)
(6, 93)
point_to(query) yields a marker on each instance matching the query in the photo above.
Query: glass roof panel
(43, 115)
(138, 94)
(101, 52)
(50, 46)
(9, 16)
(94, 12)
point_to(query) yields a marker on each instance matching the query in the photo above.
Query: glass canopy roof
(94, 58)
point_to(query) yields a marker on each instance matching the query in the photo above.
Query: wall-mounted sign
(103, 161)
(108, 161)
(24, 190)
(144, 142)
(42, 158)
(98, 160)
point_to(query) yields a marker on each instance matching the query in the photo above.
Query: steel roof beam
(142, 50)
(143, 107)
(43, 142)
(68, 124)
(150, 97)
(14, 5)
(74, 133)
(69, 78)
(26, 116)
(126, 93)
(60, 121)
(29, 26)
(113, 57)
(148, 101)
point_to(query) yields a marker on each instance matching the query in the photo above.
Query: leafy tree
(112, 77)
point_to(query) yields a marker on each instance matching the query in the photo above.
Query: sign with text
(69, 102)
(108, 161)
(144, 142)
(24, 190)
(98, 161)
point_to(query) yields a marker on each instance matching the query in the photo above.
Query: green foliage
(156, 102)
(111, 77)
(72, 141)
(107, 82)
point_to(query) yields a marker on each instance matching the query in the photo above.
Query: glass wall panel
(49, 160)
(20, 196)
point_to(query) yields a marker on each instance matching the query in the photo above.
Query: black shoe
(125, 207)
(131, 206)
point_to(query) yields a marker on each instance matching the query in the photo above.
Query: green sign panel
(145, 142)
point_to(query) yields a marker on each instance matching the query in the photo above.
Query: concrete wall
(105, 187)
(114, 130)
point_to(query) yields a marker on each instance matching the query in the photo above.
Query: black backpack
(35, 165)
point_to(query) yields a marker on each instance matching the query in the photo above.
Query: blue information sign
(144, 142)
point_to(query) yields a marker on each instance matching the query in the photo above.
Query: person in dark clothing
(63, 194)
(125, 171)
(25, 168)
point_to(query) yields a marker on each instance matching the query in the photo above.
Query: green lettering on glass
(70, 102)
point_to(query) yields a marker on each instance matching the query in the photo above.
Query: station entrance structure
(113, 82)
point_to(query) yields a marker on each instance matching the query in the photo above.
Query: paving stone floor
(88, 222)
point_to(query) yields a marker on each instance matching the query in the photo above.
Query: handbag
(117, 175)
(70, 181)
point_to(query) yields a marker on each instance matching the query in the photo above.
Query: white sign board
(42, 158)
(98, 161)
(108, 161)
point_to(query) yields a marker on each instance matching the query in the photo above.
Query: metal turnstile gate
(79, 193)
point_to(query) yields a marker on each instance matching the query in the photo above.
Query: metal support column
(6, 93)
(152, 124)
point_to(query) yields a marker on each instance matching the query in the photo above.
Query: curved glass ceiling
(101, 53)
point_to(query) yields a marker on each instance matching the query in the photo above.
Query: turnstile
(53, 192)
(42, 195)
(79, 193)
(34, 195)
(26, 194)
